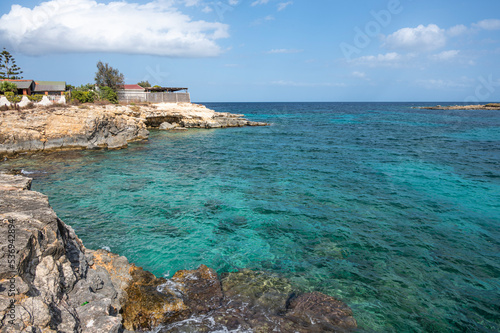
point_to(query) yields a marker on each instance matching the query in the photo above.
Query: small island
(489, 106)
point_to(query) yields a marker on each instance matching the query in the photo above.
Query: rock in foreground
(49, 282)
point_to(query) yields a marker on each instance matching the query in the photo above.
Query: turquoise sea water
(394, 210)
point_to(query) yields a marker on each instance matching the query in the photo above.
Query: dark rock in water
(264, 302)
(320, 313)
(260, 290)
(201, 288)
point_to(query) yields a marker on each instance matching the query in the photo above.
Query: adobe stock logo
(372, 29)
(484, 90)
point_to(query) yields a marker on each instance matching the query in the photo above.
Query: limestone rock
(67, 128)
(49, 274)
(168, 126)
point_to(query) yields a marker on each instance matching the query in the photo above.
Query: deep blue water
(394, 210)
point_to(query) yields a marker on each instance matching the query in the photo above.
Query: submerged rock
(264, 302)
(49, 282)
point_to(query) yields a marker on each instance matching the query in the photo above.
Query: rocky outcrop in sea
(49, 282)
(57, 127)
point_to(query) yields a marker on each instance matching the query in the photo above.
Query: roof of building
(21, 84)
(169, 89)
(132, 87)
(50, 86)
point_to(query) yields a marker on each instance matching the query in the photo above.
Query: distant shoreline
(490, 106)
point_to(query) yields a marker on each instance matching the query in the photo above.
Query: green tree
(108, 94)
(8, 68)
(8, 86)
(144, 84)
(107, 76)
(85, 87)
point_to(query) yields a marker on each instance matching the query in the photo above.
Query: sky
(266, 50)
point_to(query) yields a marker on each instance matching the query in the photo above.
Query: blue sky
(267, 50)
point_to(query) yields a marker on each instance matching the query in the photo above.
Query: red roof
(132, 87)
(16, 80)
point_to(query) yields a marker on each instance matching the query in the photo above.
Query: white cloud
(359, 75)
(155, 28)
(445, 55)
(259, 2)
(419, 39)
(491, 24)
(283, 5)
(392, 59)
(207, 9)
(263, 20)
(285, 51)
(457, 30)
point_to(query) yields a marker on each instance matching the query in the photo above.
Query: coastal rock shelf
(491, 106)
(49, 282)
(109, 126)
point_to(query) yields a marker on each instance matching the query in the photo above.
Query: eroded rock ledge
(49, 282)
(108, 126)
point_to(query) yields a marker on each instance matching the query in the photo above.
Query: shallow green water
(394, 210)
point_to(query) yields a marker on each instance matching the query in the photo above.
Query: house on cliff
(135, 93)
(24, 87)
(30, 87)
(50, 88)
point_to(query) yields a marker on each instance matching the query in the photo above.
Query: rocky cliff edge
(109, 126)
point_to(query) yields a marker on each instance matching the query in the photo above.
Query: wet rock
(318, 312)
(147, 307)
(201, 289)
(264, 302)
(259, 290)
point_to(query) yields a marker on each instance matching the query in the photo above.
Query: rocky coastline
(57, 127)
(491, 106)
(49, 282)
